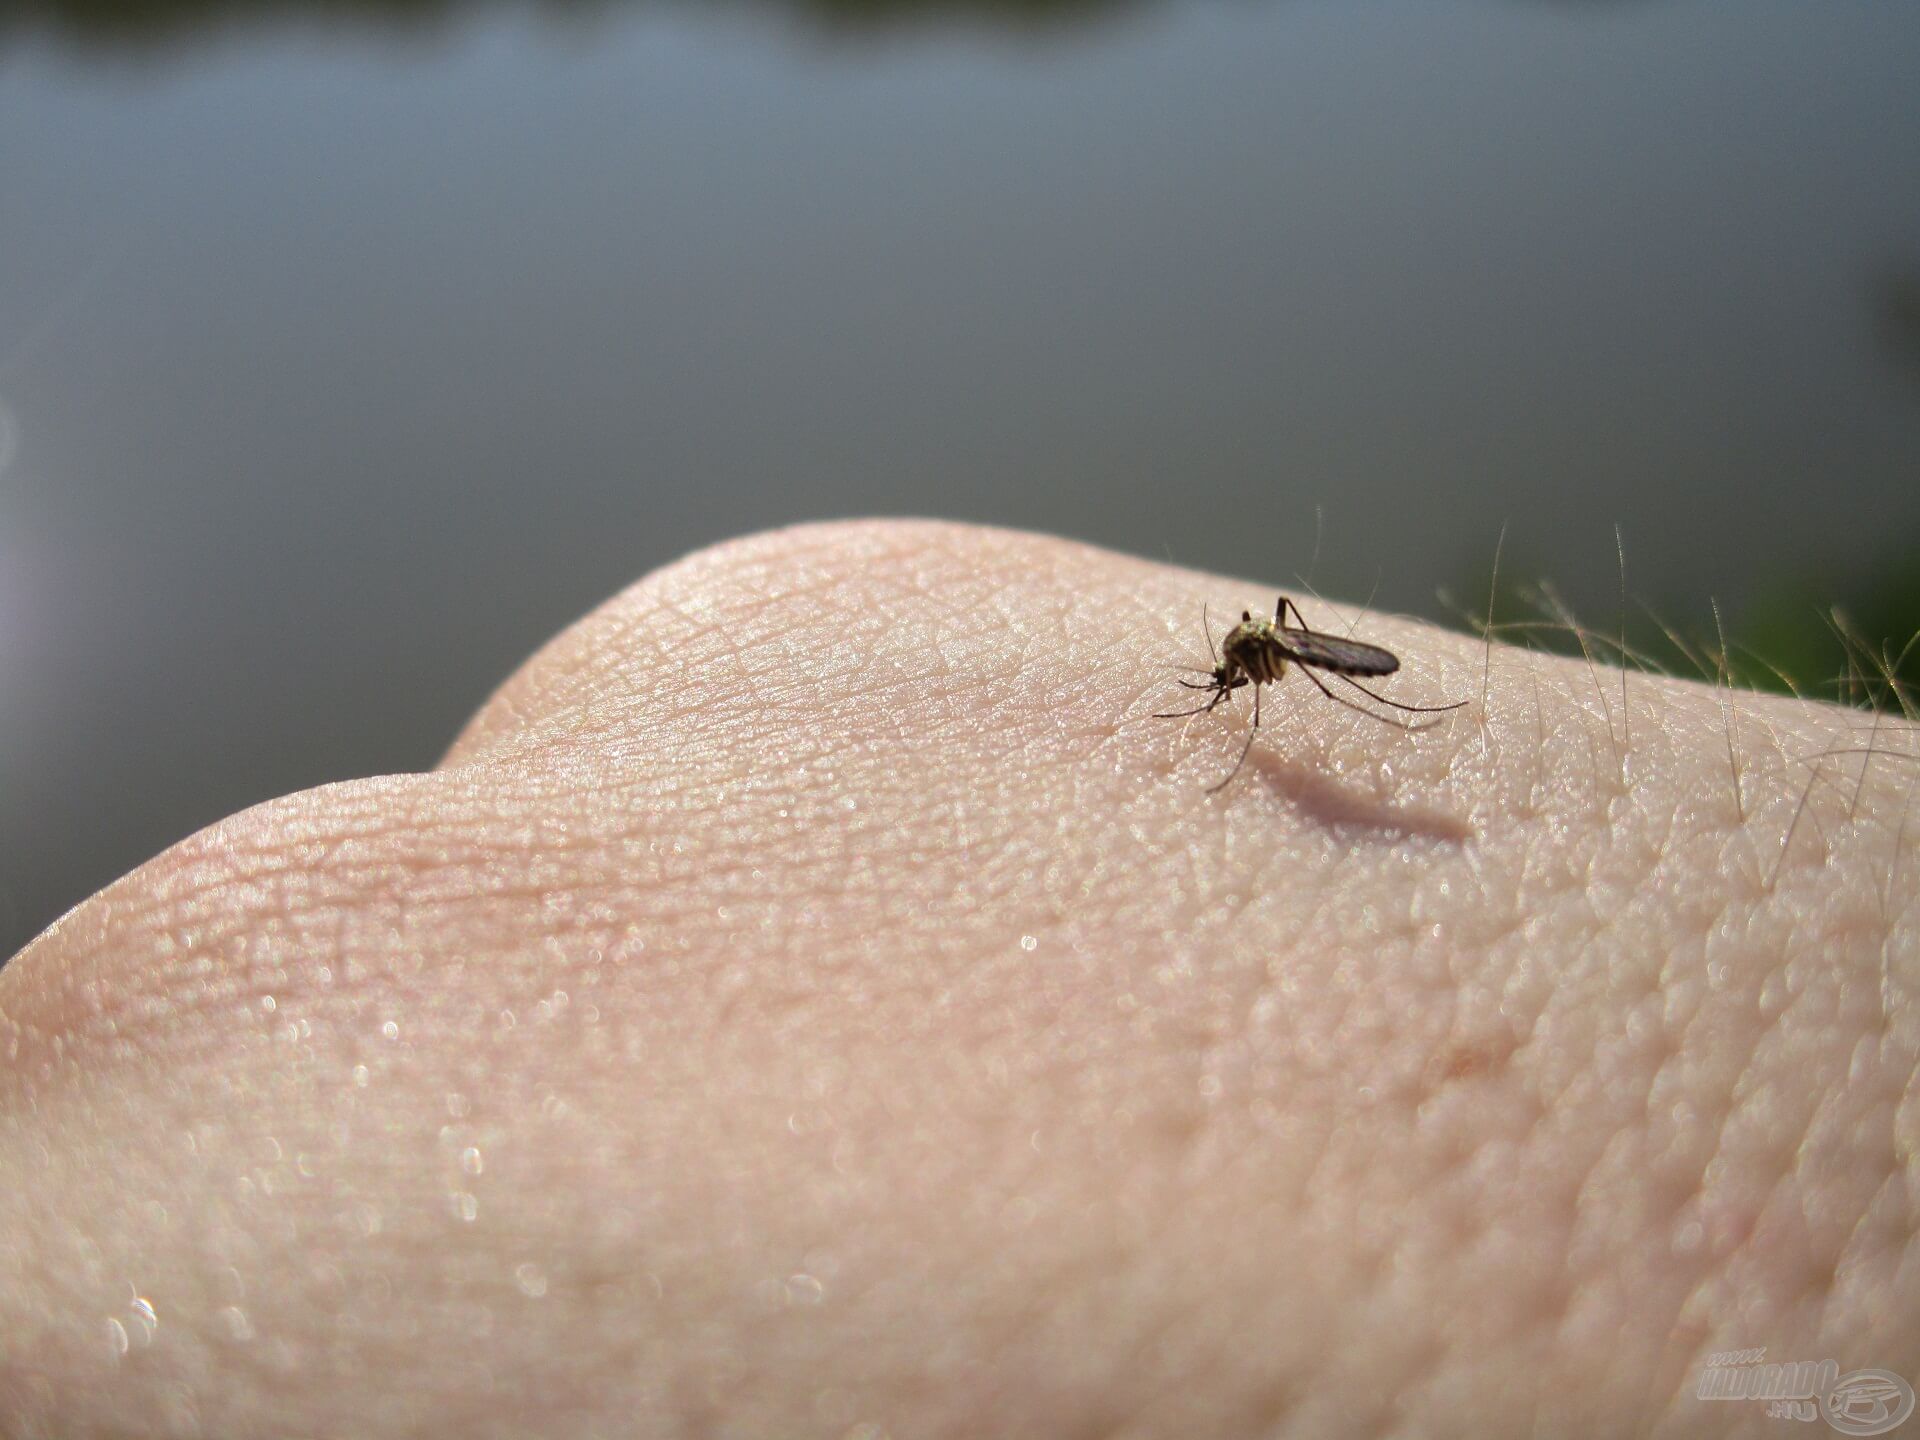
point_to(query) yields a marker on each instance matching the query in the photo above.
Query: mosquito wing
(1342, 657)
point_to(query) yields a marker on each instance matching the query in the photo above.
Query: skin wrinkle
(1299, 1199)
(761, 589)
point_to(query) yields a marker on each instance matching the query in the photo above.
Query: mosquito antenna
(1207, 625)
(1410, 709)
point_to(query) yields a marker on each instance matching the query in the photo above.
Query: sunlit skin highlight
(808, 1000)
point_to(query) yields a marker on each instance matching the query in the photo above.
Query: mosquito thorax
(1247, 633)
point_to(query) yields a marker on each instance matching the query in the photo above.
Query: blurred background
(348, 350)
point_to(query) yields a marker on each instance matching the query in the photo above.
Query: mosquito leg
(1370, 714)
(1411, 709)
(1252, 731)
(1222, 693)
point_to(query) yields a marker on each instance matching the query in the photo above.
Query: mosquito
(1257, 652)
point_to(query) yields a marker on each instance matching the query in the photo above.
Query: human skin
(815, 993)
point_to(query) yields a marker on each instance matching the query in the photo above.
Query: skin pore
(815, 997)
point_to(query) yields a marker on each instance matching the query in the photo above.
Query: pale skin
(815, 994)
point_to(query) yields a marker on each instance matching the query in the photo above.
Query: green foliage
(1844, 641)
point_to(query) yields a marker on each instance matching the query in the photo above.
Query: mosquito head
(1223, 676)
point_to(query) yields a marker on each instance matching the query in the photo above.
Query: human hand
(815, 994)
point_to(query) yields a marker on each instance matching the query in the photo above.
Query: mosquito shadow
(1344, 810)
